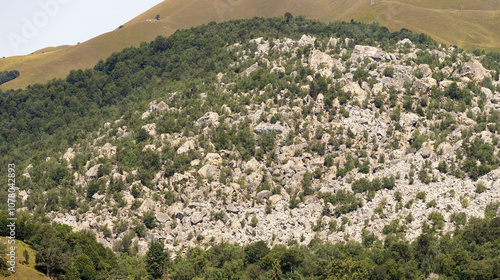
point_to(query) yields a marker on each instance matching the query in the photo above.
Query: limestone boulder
(425, 70)
(147, 205)
(277, 69)
(69, 155)
(252, 164)
(179, 178)
(268, 128)
(162, 217)
(425, 84)
(210, 117)
(213, 159)
(93, 171)
(150, 128)
(319, 59)
(405, 42)
(108, 150)
(197, 217)
(368, 51)
(426, 152)
(153, 106)
(333, 42)
(262, 45)
(254, 179)
(265, 194)
(232, 209)
(474, 70)
(408, 119)
(187, 146)
(250, 69)
(275, 198)
(356, 90)
(306, 40)
(208, 170)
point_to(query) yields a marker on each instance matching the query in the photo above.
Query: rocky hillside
(298, 140)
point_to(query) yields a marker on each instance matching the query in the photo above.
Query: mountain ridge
(176, 14)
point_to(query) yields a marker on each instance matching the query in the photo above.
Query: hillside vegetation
(278, 148)
(469, 25)
(471, 253)
(25, 268)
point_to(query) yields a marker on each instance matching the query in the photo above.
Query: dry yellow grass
(24, 271)
(468, 28)
(468, 24)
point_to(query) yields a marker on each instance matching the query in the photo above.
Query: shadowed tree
(50, 253)
(156, 260)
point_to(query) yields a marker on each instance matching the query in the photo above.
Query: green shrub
(361, 185)
(364, 167)
(329, 160)
(149, 219)
(442, 167)
(254, 221)
(306, 183)
(142, 135)
(421, 196)
(431, 203)
(480, 188)
(459, 218)
(389, 71)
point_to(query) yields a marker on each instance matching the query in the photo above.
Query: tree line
(470, 252)
(6, 76)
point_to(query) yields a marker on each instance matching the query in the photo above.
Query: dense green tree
(88, 272)
(72, 273)
(306, 183)
(246, 142)
(50, 253)
(149, 219)
(142, 135)
(222, 136)
(184, 270)
(6, 76)
(255, 252)
(266, 141)
(156, 260)
(3, 261)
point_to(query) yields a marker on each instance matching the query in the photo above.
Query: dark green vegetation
(472, 252)
(62, 251)
(6, 76)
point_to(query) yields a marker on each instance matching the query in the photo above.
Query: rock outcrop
(474, 70)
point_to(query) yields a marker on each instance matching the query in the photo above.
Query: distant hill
(475, 25)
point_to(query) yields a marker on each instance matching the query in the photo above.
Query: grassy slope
(468, 24)
(471, 28)
(24, 272)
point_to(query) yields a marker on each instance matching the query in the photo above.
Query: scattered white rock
(187, 146)
(250, 69)
(306, 40)
(210, 117)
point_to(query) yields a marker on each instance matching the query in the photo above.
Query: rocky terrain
(340, 141)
